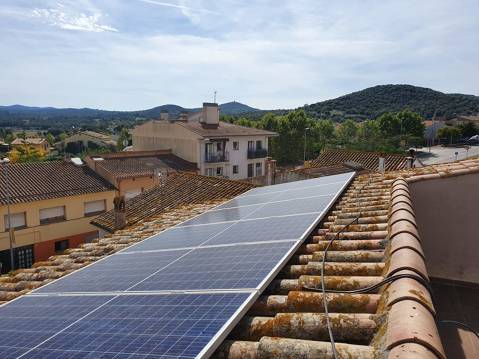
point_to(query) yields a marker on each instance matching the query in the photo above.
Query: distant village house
(218, 148)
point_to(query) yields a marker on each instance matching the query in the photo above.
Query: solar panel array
(176, 294)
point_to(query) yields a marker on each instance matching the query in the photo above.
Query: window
(259, 169)
(209, 171)
(251, 146)
(219, 171)
(259, 145)
(24, 257)
(235, 145)
(94, 207)
(60, 246)
(235, 169)
(250, 170)
(52, 215)
(17, 220)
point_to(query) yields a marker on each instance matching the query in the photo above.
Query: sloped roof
(37, 181)
(224, 129)
(288, 320)
(29, 141)
(369, 160)
(142, 163)
(178, 189)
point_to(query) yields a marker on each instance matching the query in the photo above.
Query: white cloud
(69, 19)
(193, 13)
(267, 53)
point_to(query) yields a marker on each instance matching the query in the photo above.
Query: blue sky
(137, 54)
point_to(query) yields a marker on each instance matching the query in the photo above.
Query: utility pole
(304, 149)
(5, 163)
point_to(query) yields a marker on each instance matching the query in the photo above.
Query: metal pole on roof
(304, 149)
(5, 162)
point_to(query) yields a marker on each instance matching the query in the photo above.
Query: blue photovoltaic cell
(327, 190)
(304, 205)
(265, 229)
(222, 215)
(130, 326)
(249, 200)
(28, 321)
(230, 267)
(180, 237)
(116, 273)
(320, 181)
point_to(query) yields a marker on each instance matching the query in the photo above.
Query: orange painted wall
(44, 250)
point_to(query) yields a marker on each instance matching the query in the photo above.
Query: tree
(468, 129)
(450, 133)
(347, 133)
(389, 125)
(50, 139)
(125, 136)
(411, 123)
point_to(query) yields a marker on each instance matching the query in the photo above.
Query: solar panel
(180, 237)
(115, 273)
(230, 267)
(223, 215)
(314, 182)
(296, 206)
(177, 293)
(127, 326)
(264, 230)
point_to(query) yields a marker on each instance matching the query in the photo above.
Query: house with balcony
(218, 148)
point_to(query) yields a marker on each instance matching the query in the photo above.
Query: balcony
(260, 153)
(216, 157)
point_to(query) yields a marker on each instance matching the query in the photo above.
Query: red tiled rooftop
(368, 160)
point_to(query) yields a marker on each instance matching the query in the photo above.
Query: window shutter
(94, 206)
(16, 219)
(53, 212)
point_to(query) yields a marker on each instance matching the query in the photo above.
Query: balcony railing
(217, 157)
(260, 153)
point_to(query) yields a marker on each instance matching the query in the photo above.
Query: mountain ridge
(368, 103)
(228, 108)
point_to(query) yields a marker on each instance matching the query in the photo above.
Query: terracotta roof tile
(368, 160)
(143, 163)
(224, 129)
(45, 180)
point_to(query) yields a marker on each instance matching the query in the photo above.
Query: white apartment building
(218, 148)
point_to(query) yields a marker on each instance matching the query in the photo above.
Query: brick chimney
(119, 210)
(164, 115)
(270, 171)
(211, 114)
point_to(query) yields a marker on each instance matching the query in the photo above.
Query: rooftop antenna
(215, 97)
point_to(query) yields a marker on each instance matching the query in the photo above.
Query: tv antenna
(214, 101)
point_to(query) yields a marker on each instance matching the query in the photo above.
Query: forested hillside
(374, 101)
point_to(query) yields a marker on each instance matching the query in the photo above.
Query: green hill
(373, 101)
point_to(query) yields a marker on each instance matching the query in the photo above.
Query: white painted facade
(236, 159)
(216, 154)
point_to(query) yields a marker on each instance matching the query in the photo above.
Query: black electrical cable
(387, 280)
(376, 286)
(323, 264)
